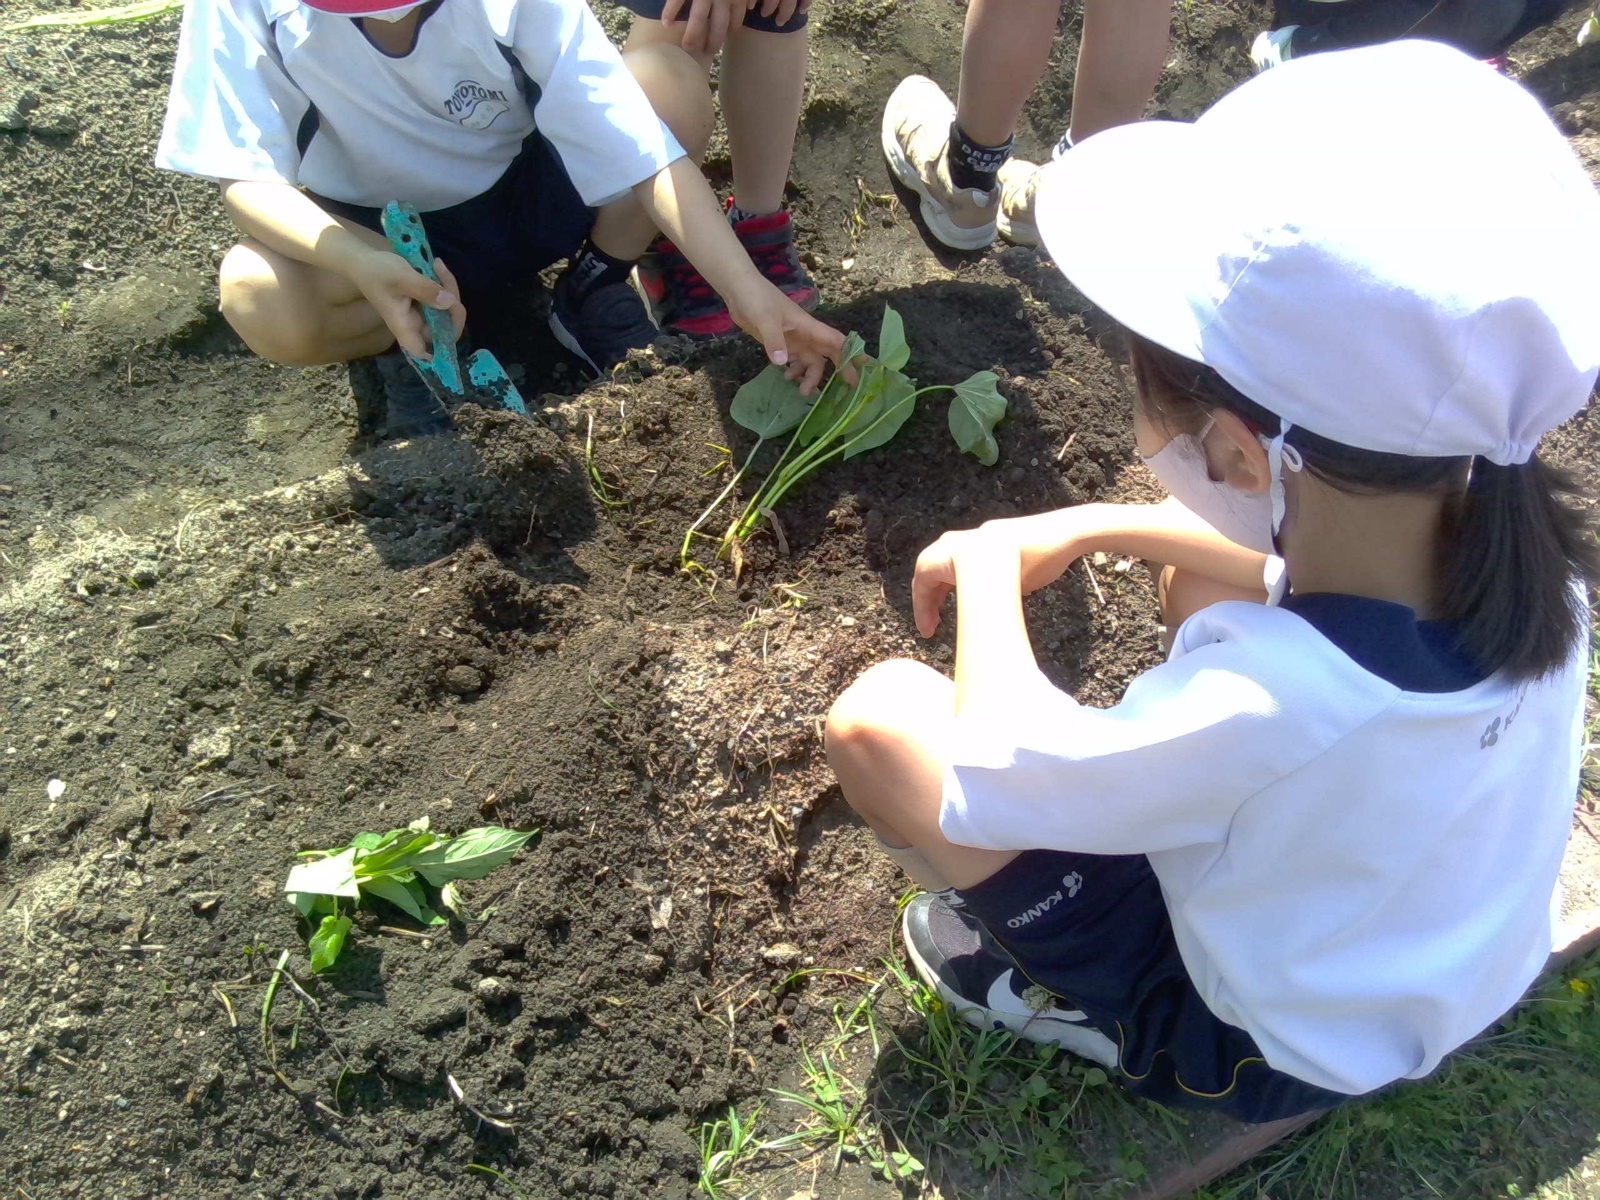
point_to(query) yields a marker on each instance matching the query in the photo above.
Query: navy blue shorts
(531, 217)
(651, 9)
(1111, 953)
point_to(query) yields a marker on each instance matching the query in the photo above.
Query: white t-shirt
(274, 90)
(1360, 877)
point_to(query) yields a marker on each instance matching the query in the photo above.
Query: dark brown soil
(234, 628)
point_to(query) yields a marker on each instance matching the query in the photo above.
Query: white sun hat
(1392, 247)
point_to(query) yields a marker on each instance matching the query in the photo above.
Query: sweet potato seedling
(846, 420)
(400, 867)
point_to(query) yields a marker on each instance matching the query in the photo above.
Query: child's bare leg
(1120, 58)
(1181, 594)
(886, 740)
(762, 86)
(677, 89)
(1004, 51)
(297, 314)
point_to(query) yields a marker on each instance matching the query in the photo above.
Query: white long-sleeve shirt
(1358, 875)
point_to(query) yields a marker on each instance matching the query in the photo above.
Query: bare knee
(272, 322)
(878, 707)
(677, 88)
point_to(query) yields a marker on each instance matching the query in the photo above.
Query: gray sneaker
(411, 408)
(957, 958)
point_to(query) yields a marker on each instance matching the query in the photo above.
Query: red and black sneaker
(679, 298)
(769, 240)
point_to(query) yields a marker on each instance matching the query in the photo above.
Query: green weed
(725, 1146)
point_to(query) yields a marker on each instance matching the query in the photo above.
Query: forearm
(285, 219)
(993, 654)
(683, 207)
(1167, 533)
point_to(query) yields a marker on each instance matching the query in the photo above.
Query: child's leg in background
(1120, 58)
(762, 85)
(1004, 51)
(299, 315)
(676, 86)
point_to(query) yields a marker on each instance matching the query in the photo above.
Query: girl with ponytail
(1315, 850)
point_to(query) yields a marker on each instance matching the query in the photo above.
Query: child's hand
(783, 10)
(394, 289)
(792, 337)
(710, 21)
(993, 544)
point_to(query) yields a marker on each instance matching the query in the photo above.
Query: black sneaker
(601, 325)
(974, 975)
(411, 408)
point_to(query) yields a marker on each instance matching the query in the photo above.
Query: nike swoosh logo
(1002, 998)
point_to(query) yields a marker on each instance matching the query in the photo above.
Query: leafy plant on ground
(400, 866)
(143, 10)
(845, 420)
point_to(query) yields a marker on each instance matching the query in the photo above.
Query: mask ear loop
(1279, 456)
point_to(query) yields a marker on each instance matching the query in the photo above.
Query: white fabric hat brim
(1125, 215)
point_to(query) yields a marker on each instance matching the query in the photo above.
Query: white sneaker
(916, 131)
(1017, 179)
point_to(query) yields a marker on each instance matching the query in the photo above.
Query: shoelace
(687, 286)
(775, 260)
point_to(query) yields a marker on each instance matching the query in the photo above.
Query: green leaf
(770, 404)
(889, 409)
(303, 902)
(471, 856)
(331, 876)
(368, 842)
(892, 349)
(837, 397)
(327, 941)
(396, 856)
(978, 406)
(412, 903)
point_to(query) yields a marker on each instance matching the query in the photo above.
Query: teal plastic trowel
(486, 381)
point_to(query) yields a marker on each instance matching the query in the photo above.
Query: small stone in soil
(463, 680)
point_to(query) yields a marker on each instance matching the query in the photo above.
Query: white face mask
(1252, 520)
(393, 16)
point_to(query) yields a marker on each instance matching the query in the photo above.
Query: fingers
(785, 13)
(670, 11)
(768, 7)
(424, 290)
(721, 20)
(931, 584)
(405, 323)
(458, 312)
(694, 33)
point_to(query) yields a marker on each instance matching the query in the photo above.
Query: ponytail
(1518, 545)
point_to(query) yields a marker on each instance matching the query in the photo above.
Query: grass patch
(905, 1088)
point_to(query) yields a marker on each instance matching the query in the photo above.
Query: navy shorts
(1111, 953)
(651, 9)
(529, 218)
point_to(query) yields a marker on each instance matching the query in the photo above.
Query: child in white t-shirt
(1314, 851)
(517, 129)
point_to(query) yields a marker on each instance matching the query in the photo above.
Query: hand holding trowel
(485, 381)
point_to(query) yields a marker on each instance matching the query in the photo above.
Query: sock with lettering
(972, 164)
(592, 267)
